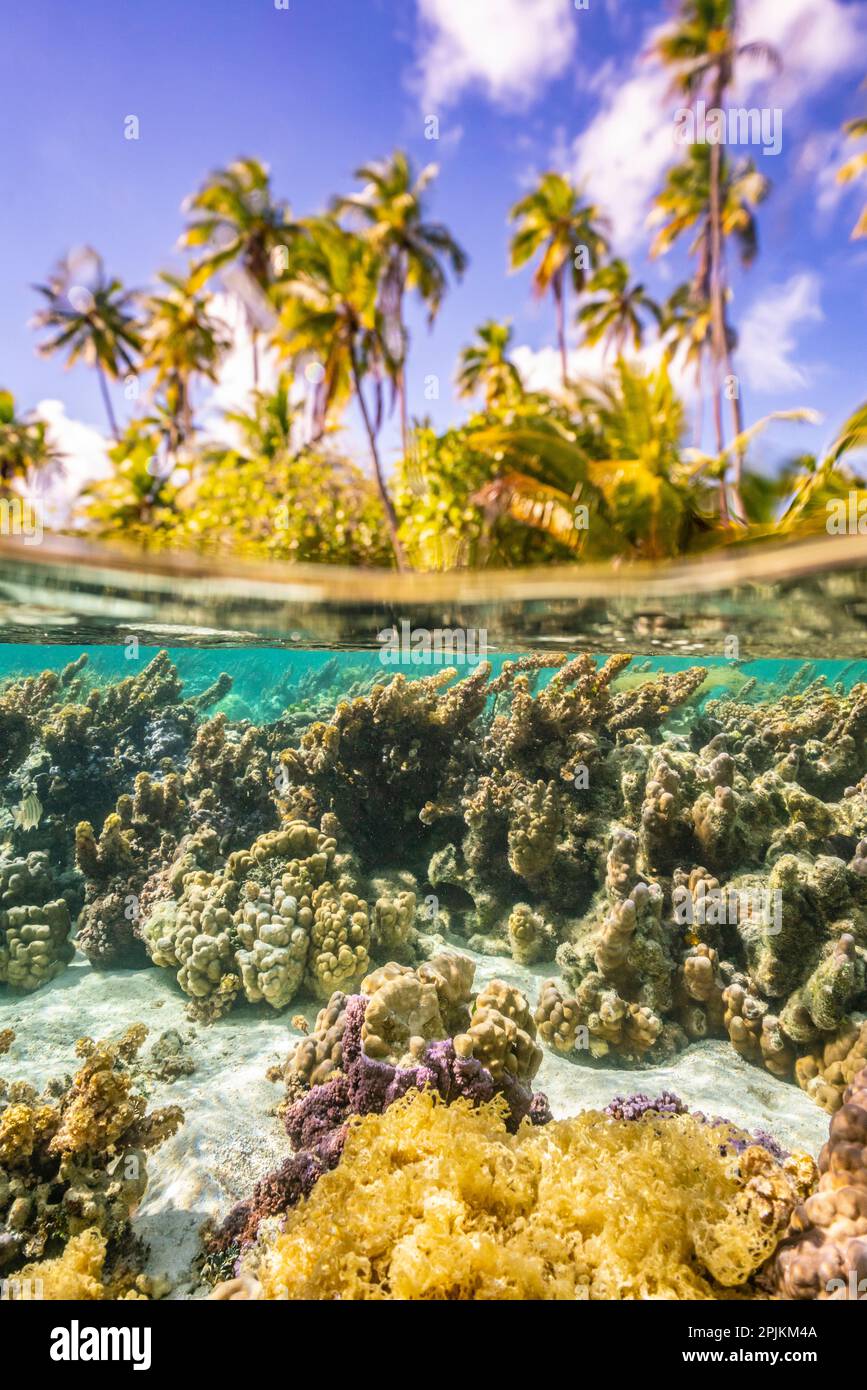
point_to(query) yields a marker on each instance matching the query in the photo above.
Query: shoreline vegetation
(614, 469)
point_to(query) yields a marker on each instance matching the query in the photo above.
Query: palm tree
(555, 224)
(267, 428)
(686, 203)
(703, 50)
(828, 479)
(238, 221)
(25, 445)
(181, 340)
(391, 206)
(91, 322)
(485, 365)
(138, 497)
(330, 312)
(621, 459)
(854, 167)
(685, 328)
(616, 315)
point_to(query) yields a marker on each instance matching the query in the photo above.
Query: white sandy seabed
(231, 1136)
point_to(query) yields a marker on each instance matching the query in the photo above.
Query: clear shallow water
(519, 822)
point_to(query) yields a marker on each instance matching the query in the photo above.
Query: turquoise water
(654, 870)
(260, 674)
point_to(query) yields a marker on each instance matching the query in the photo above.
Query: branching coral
(76, 1160)
(135, 841)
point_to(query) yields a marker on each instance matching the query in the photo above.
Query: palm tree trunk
(401, 380)
(716, 402)
(254, 344)
(716, 286)
(106, 400)
(558, 286)
(404, 419)
(186, 414)
(738, 421)
(719, 332)
(387, 504)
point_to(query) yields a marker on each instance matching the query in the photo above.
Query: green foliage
(447, 519)
(261, 500)
(604, 476)
(856, 168)
(25, 447)
(137, 501)
(485, 366)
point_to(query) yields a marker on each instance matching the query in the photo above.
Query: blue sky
(517, 86)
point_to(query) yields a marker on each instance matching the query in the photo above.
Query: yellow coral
(440, 1202)
(76, 1274)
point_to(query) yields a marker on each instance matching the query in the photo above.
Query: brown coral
(824, 1254)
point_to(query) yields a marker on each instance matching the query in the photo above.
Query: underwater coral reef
(73, 1164)
(689, 865)
(671, 858)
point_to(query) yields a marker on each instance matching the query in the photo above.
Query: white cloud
(85, 459)
(768, 334)
(621, 156)
(623, 153)
(819, 159)
(540, 368)
(234, 383)
(508, 49)
(817, 40)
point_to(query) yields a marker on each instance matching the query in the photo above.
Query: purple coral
(317, 1123)
(633, 1107)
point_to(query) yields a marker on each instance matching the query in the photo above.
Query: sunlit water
(292, 658)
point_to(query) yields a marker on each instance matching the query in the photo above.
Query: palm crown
(236, 222)
(616, 313)
(181, 340)
(855, 167)
(414, 252)
(555, 225)
(330, 313)
(485, 365)
(93, 323)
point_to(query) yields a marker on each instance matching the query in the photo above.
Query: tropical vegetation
(587, 470)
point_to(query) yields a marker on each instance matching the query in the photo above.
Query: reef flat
(231, 1137)
(565, 887)
(691, 865)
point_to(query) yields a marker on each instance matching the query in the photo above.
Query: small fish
(300, 1022)
(28, 815)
